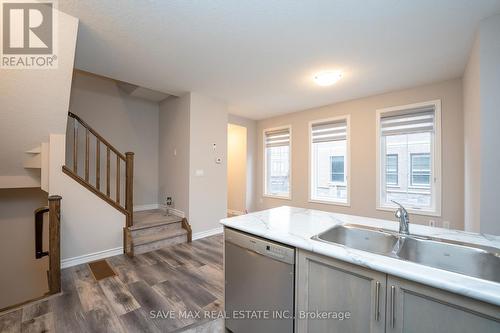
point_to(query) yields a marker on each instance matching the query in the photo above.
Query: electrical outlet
(446, 224)
(432, 223)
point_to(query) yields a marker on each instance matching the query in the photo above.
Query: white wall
(34, 103)
(236, 168)
(22, 276)
(174, 138)
(363, 152)
(251, 158)
(89, 225)
(472, 140)
(490, 123)
(207, 192)
(128, 123)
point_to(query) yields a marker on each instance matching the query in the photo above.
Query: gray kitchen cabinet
(379, 302)
(328, 286)
(415, 308)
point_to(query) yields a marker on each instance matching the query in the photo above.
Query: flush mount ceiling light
(327, 78)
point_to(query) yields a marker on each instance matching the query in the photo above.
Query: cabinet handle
(377, 301)
(393, 300)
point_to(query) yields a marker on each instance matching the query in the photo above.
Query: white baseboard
(65, 263)
(146, 207)
(207, 233)
(235, 212)
(174, 211)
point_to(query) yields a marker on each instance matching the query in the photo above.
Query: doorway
(236, 169)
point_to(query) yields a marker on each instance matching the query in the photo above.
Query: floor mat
(101, 269)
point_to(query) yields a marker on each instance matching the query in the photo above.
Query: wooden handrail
(103, 187)
(97, 135)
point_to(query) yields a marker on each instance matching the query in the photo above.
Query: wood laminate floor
(167, 290)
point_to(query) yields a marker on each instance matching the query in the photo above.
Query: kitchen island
(392, 294)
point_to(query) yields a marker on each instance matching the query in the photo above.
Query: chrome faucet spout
(404, 219)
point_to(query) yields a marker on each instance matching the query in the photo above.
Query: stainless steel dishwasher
(260, 284)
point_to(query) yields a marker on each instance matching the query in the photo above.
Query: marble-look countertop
(295, 227)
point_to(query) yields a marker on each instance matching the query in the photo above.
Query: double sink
(463, 258)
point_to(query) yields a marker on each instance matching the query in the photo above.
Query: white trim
(235, 212)
(270, 196)
(207, 233)
(347, 118)
(332, 203)
(69, 262)
(174, 211)
(140, 208)
(422, 212)
(264, 187)
(437, 158)
(177, 212)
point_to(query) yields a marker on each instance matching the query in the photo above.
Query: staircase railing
(54, 253)
(81, 168)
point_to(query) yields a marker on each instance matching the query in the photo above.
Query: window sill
(411, 211)
(332, 203)
(270, 196)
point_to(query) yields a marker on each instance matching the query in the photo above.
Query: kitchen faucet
(404, 220)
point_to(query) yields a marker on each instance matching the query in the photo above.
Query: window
(329, 161)
(277, 162)
(409, 139)
(420, 170)
(337, 173)
(391, 169)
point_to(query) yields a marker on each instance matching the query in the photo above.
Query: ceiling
(259, 56)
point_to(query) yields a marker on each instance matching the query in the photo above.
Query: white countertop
(295, 227)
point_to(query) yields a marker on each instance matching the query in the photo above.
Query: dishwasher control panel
(261, 246)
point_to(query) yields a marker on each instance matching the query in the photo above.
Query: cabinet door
(325, 285)
(415, 308)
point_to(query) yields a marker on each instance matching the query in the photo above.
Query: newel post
(54, 244)
(129, 186)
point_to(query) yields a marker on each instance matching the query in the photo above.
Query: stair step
(140, 240)
(152, 229)
(155, 217)
(153, 242)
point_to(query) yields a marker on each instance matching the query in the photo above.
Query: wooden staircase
(154, 229)
(91, 167)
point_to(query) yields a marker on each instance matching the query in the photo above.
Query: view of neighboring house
(249, 166)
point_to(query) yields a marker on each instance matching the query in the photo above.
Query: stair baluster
(125, 206)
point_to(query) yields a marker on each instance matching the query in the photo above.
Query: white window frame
(436, 163)
(264, 166)
(347, 159)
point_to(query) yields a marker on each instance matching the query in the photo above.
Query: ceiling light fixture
(327, 78)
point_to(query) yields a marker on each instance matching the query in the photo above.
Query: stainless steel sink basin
(468, 259)
(360, 238)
